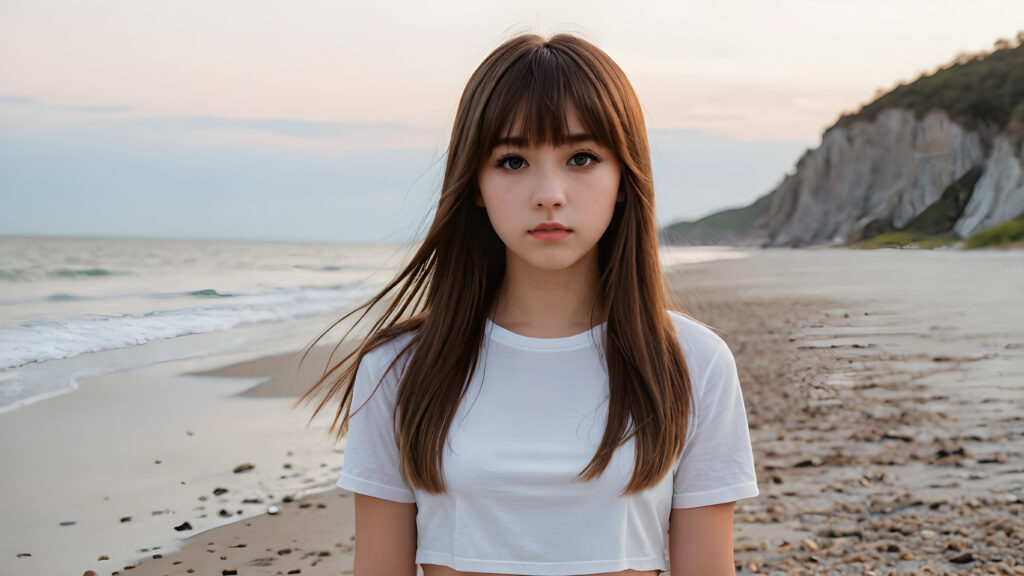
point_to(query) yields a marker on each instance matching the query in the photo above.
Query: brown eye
(511, 163)
(582, 159)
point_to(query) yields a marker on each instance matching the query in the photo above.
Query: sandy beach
(884, 389)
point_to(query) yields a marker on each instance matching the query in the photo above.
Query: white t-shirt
(531, 420)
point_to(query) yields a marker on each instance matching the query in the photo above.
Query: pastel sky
(328, 120)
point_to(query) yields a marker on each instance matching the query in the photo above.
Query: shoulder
(709, 361)
(377, 360)
(372, 378)
(700, 344)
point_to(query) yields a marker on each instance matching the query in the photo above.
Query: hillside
(939, 157)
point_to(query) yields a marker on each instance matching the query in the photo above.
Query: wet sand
(884, 389)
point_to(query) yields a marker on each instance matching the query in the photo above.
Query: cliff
(942, 155)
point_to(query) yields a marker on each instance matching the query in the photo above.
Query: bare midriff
(438, 570)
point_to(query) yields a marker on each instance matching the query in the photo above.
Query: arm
(385, 537)
(715, 470)
(700, 541)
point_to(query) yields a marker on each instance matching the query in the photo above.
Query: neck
(547, 303)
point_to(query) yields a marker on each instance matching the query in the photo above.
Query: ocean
(74, 307)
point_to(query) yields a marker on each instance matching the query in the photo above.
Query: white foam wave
(40, 341)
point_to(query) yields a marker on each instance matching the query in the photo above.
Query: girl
(531, 402)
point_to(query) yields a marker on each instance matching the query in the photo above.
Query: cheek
(489, 187)
(496, 201)
(607, 192)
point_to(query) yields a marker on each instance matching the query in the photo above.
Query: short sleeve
(370, 464)
(717, 462)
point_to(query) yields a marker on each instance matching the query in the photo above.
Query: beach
(884, 391)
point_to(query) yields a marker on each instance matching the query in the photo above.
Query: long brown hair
(445, 291)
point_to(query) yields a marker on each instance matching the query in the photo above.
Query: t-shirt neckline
(581, 340)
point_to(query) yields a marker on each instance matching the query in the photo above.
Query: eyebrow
(519, 141)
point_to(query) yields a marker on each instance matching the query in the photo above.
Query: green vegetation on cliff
(979, 90)
(901, 239)
(1006, 235)
(718, 227)
(1003, 235)
(944, 212)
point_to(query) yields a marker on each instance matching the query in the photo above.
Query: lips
(547, 226)
(550, 232)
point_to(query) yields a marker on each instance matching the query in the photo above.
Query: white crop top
(531, 420)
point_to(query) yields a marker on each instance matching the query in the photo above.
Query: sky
(327, 121)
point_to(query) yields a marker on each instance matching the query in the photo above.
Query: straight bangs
(532, 99)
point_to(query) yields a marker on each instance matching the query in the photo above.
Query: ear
(621, 197)
(478, 199)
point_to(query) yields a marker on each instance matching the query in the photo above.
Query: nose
(549, 188)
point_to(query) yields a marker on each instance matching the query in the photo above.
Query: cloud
(127, 124)
(13, 100)
(101, 108)
(18, 101)
(282, 126)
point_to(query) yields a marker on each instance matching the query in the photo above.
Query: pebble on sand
(962, 558)
(244, 468)
(183, 526)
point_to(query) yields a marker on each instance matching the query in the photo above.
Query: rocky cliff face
(999, 193)
(939, 157)
(885, 172)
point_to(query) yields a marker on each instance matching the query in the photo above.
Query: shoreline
(114, 469)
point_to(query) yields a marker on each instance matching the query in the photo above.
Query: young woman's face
(526, 188)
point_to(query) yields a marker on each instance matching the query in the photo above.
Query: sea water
(73, 307)
(64, 299)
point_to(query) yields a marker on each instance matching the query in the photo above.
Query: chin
(552, 265)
